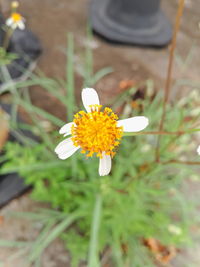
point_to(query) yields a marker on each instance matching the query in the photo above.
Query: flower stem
(93, 253)
(169, 73)
(7, 37)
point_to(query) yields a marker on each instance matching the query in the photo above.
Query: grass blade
(53, 234)
(93, 248)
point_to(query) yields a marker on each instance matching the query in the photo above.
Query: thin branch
(169, 73)
(154, 133)
(181, 162)
(178, 133)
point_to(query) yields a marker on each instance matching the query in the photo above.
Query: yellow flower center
(16, 17)
(96, 131)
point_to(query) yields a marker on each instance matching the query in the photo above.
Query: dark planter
(27, 47)
(137, 22)
(11, 184)
(1, 30)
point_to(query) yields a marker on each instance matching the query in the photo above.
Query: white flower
(96, 131)
(198, 150)
(15, 4)
(16, 21)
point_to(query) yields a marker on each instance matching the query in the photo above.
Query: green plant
(5, 57)
(106, 220)
(138, 200)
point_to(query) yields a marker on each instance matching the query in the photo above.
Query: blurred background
(51, 21)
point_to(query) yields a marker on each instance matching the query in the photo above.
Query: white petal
(89, 97)
(198, 150)
(9, 21)
(21, 25)
(13, 26)
(134, 124)
(62, 145)
(105, 165)
(66, 129)
(69, 153)
(66, 148)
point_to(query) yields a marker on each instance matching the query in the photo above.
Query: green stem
(193, 130)
(93, 252)
(7, 37)
(161, 132)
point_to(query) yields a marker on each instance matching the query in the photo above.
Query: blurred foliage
(6, 57)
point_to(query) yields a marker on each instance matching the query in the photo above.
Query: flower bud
(15, 4)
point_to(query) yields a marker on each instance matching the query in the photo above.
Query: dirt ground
(18, 229)
(51, 20)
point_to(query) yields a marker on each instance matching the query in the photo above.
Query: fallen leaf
(135, 105)
(1, 219)
(126, 84)
(4, 128)
(163, 254)
(124, 248)
(144, 167)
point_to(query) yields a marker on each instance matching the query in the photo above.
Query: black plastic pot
(27, 47)
(137, 22)
(11, 184)
(1, 29)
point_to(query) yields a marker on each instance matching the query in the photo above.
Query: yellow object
(16, 17)
(96, 131)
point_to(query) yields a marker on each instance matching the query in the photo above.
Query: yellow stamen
(16, 17)
(96, 131)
